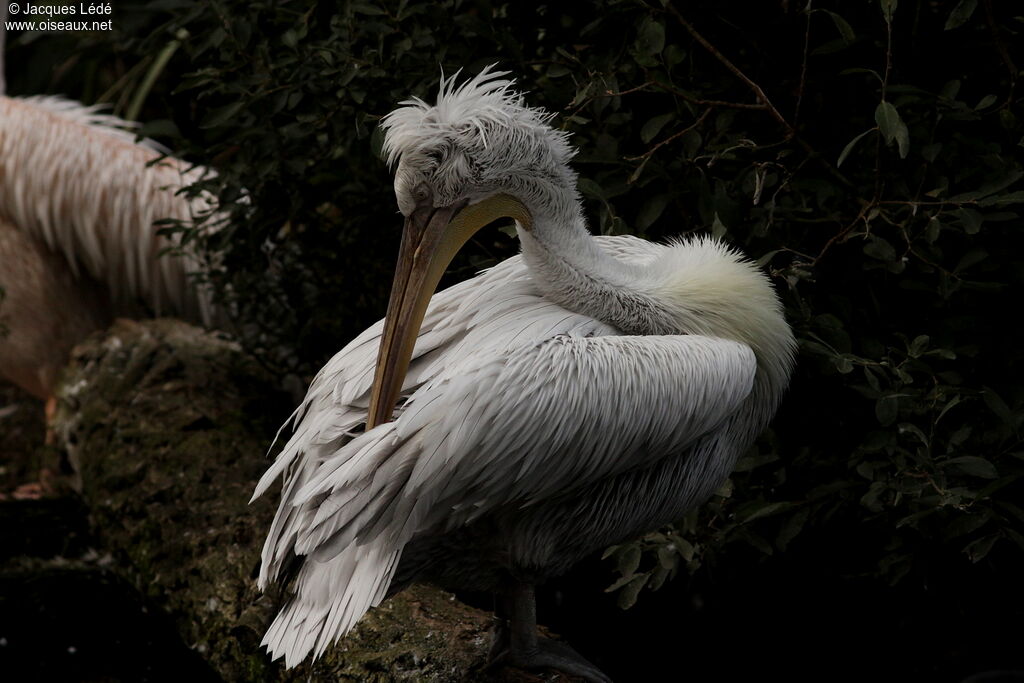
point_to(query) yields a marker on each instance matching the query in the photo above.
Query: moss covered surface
(167, 427)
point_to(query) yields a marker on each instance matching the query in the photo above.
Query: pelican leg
(47, 483)
(50, 411)
(515, 641)
(500, 635)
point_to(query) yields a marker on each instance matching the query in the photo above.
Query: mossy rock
(167, 427)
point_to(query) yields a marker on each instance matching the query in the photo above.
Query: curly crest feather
(473, 112)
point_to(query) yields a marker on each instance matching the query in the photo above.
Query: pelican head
(477, 141)
(477, 155)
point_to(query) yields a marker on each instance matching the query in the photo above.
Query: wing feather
(435, 469)
(502, 400)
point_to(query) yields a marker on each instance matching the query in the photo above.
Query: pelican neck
(573, 270)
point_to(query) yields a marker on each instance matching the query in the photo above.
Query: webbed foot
(515, 642)
(551, 654)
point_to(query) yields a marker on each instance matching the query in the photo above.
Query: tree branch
(765, 103)
(754, 87)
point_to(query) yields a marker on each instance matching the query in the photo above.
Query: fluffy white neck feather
(695, 285)
(573, 270)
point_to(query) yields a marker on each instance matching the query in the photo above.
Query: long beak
(430, 240)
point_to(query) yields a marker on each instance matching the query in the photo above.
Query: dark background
(876, 532)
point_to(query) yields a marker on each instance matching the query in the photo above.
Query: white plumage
(569, 398)
(78, 244)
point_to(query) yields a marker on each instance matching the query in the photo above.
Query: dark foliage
(869, 156)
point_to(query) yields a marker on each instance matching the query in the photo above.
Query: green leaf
(892, 127)
(960, 435)
(1016, 537)
(718, 229)
(950, 90)
(755, 541)
(990, 187)
(860, 70)
(654, 126)
(918, 346)
(830, 47)
(1000, 483)
(888, 9)
(766, 510)
(913, 518)
(911, 428)
(887, 119)
(674, 54)
(658, 577)
(964, 524)
(691, 142)
(582, 93)
(667, 557)
(221, 115)
(930, 152)
(650, 41)
(887, 409)
(998, 406)
(871, 376)
(1012, 509)
(629, 560)
(377, 142)
(792, 528)
(867, 470)
(985, 102)
(845, 30)
(619, 583)
(850, 145)
(1004, 199)
(367, 9)
(970, 219)
(870, 499)
(971, 258)
(903, 140)
(653, 37)
(973, 465)
(652, 211)
(977, 550)
(751, 462)
(629, 593)
(960, 14)
(590, 189)
(878, 248)
(895, 567)
(684, 548)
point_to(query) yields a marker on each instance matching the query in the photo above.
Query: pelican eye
(421, 193)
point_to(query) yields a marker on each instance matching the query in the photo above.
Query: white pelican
(78, 198)
(570, 398)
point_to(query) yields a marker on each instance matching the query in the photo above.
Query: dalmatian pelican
(78, 244)
(572, 397)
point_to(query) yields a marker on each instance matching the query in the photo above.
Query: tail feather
(330, 598)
